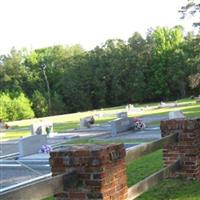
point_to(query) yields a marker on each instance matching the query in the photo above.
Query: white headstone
(120, 125)
(122, 115)
(37, 128)
(176, 115)
(131, 107)
(31, 144)
(41, 128)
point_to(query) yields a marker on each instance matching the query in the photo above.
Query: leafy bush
(40, 105)
(15, 108)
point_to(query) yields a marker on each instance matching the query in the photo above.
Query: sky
(41, 23)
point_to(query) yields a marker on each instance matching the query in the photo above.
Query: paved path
(11, 175)
(149, 134)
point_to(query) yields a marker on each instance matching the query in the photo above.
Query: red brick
(101, 176)
(187, 147)
(77, 195)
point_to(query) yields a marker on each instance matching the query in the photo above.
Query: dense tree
(63, 79)
(13, 108)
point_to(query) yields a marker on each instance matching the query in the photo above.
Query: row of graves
(120, 124)
(34, 150)
(123, 123)
(131, 109)
(37, 142)
(42, 131)
(33, 158)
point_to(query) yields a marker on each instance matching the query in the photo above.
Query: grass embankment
(169, 189)
(174, 189)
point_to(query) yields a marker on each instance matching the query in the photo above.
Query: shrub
(15, 108)
(40, 105)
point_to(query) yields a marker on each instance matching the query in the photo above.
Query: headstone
(122, 115)
(49, 128)
(42, 128)
(37, 128)
(31, 144)
(86, 122)
(167, 105)
(3, 125)
(176, 115)
(198, 101)
(129, 107)
(120, 125)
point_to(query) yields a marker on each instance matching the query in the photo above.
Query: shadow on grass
(173, 189)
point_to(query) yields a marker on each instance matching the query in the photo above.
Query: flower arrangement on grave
(45, 148)
(138, 124)
(48, 128)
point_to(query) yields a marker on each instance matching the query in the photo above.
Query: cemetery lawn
(169, 189)
(63, 123)
(173, 189)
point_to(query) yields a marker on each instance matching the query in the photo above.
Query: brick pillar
(101, 171)
(187, 147)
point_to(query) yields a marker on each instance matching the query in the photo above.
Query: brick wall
(101, 171)
(187, 147)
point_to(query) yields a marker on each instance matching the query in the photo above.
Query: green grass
(90, 140)
(13, 134)
(143, 167)
(173, 189)
(62, 127)
(169, 189)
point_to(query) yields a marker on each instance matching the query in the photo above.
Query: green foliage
(22, 108)
(15, 108)
(39, 104)
(5, 106)
(66, 79)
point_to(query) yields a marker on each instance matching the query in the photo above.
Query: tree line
(165, 65)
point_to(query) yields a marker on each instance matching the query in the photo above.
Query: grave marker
(31, 144)
(120, 125)
(42, 128)
(86, 122)
(122, 115)
(176, 115)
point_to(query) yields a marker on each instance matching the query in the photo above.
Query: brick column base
(101, 171)
(187, 148)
